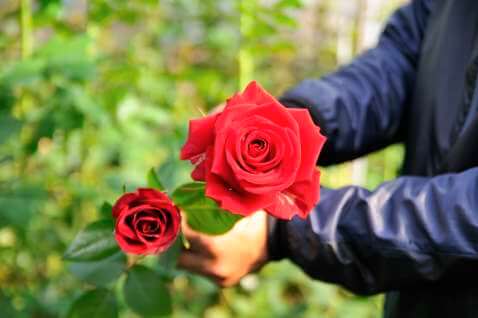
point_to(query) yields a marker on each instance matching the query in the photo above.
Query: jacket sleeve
(360, 107)
(408, 232)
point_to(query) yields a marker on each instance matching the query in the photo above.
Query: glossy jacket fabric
(415, 237)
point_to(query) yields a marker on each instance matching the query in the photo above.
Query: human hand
(229, 257)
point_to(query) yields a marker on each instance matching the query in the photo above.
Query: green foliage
(98, 303)
(145, 293)
(100, 272)
(8, 126)
(93, 243)
(18, 204)
(168, 259)
(153, 180)
(106, 210)
(202, 213)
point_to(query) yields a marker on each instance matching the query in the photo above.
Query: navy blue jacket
(415, 237)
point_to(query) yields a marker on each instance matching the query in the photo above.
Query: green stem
(246, 60)
(184, 241)
(26, 28)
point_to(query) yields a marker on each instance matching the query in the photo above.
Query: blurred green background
(93, 93)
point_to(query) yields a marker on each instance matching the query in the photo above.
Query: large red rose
(257, 154)
(147, 222)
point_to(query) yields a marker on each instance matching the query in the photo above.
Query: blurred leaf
(95, 242)
(85, 104)
(7, 99)
(6, 308)
(203, 214)
(100, 272)
(288, 4)
(153, 180)
(8, 126)
(97, 303)
(106, 210)
(169, 258)
(18, 204)
(174, 172)
(69, 58)
(24, 72)
(44, 128)
(146, 293)
(284, 20)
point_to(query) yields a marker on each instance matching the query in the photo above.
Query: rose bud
(147, 222)
(257, 154)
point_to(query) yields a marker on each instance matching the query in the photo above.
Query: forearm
(408, 232)
(361, 106)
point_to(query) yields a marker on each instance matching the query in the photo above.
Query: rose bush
(257, 154)
(147, 221)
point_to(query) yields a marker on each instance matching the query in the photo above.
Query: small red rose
(257, 154)
(147, 222)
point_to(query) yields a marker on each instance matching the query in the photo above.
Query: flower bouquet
(253, 155)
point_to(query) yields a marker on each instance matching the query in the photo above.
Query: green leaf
(18, 204)
(106, 210)
(153, 180)
(283, 4)
(174, 172)
(7, 98)
(203, 214)
(146, 294)
(24, 72)
(100, 272)
(6, 308)
(169, 258)
(95, 242)
(69, 58)
(97, 303)
(8, 127)
(44, 128)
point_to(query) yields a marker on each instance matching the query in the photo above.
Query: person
(415, 237)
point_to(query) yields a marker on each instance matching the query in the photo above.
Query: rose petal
(235, 100)
(201, 135)
(153, 207)
(255, 92)
(130, 246)
(233, 137)
(279, 177)
(312, 142)
(122, 203)
(123, 227)
(151, 194)
(299, 199)
(274, 112)
(229, 115)
(231, 200)
(238, 150)
(199, 173)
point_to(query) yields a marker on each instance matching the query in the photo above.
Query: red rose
(257, 154)
(147, 222)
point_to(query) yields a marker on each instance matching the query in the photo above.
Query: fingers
(199, 243)
(200, 265)
(195, 262)
(207, 267)
(227, 258)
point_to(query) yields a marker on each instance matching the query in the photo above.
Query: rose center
(148, 227)
(257, 147)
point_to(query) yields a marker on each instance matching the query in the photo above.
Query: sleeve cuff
(274, 246)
